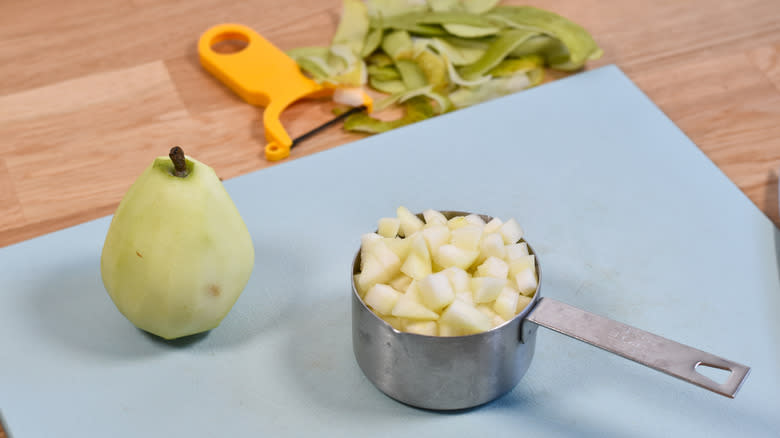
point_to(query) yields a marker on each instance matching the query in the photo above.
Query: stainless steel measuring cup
(447, 373)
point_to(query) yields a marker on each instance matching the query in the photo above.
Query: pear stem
(179, 163)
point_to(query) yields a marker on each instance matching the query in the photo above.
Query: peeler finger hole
(229, 43)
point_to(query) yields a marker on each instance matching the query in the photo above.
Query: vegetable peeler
(263, 75)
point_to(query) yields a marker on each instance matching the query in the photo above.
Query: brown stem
(179, 163)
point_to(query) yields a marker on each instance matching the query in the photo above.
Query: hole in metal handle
(718, 374)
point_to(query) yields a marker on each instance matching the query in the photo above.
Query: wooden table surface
(91, 91)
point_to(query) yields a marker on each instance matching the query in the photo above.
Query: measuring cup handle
(651, 350)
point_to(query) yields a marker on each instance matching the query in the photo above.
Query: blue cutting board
(630, 219)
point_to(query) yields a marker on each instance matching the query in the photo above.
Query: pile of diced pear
(445, 277)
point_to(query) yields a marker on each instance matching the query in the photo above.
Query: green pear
(177, 254)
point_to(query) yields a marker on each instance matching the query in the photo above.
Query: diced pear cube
(419, 246)
(410, 223)
(465, 296)
(521, 264)
(486, 289)
(457, 222)
(378, 265)
(366, 246)
(399, 246)
(434, 217)
(526, 282)
(459, 279)
(382, 298)
(428, 328)
(401, 282)
(410, 306)
(366, 239)
(475, 219)
(487, 310)
(493, 225)
(495, 319)
(506, 303)
(385, 255)
(364, 283)
(465, 317)
(516, 250)
(436, 291)
(416, 267)
(388, 226)
(522, 302)
(493, 267)
(446, 330)
(378, 250)
(418, 263)
(450, 255)
(492, 245)
(356, 280)
(511, 232)
(467, 237)
(436, 236)
(372, 273)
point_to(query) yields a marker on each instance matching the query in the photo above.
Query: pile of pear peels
(436, 56)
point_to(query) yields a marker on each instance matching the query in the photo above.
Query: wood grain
(91, 91)
(10, 208)
(767, 59)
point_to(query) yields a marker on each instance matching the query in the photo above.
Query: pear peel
(177, 254)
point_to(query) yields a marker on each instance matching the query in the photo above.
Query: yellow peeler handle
(262, 75)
